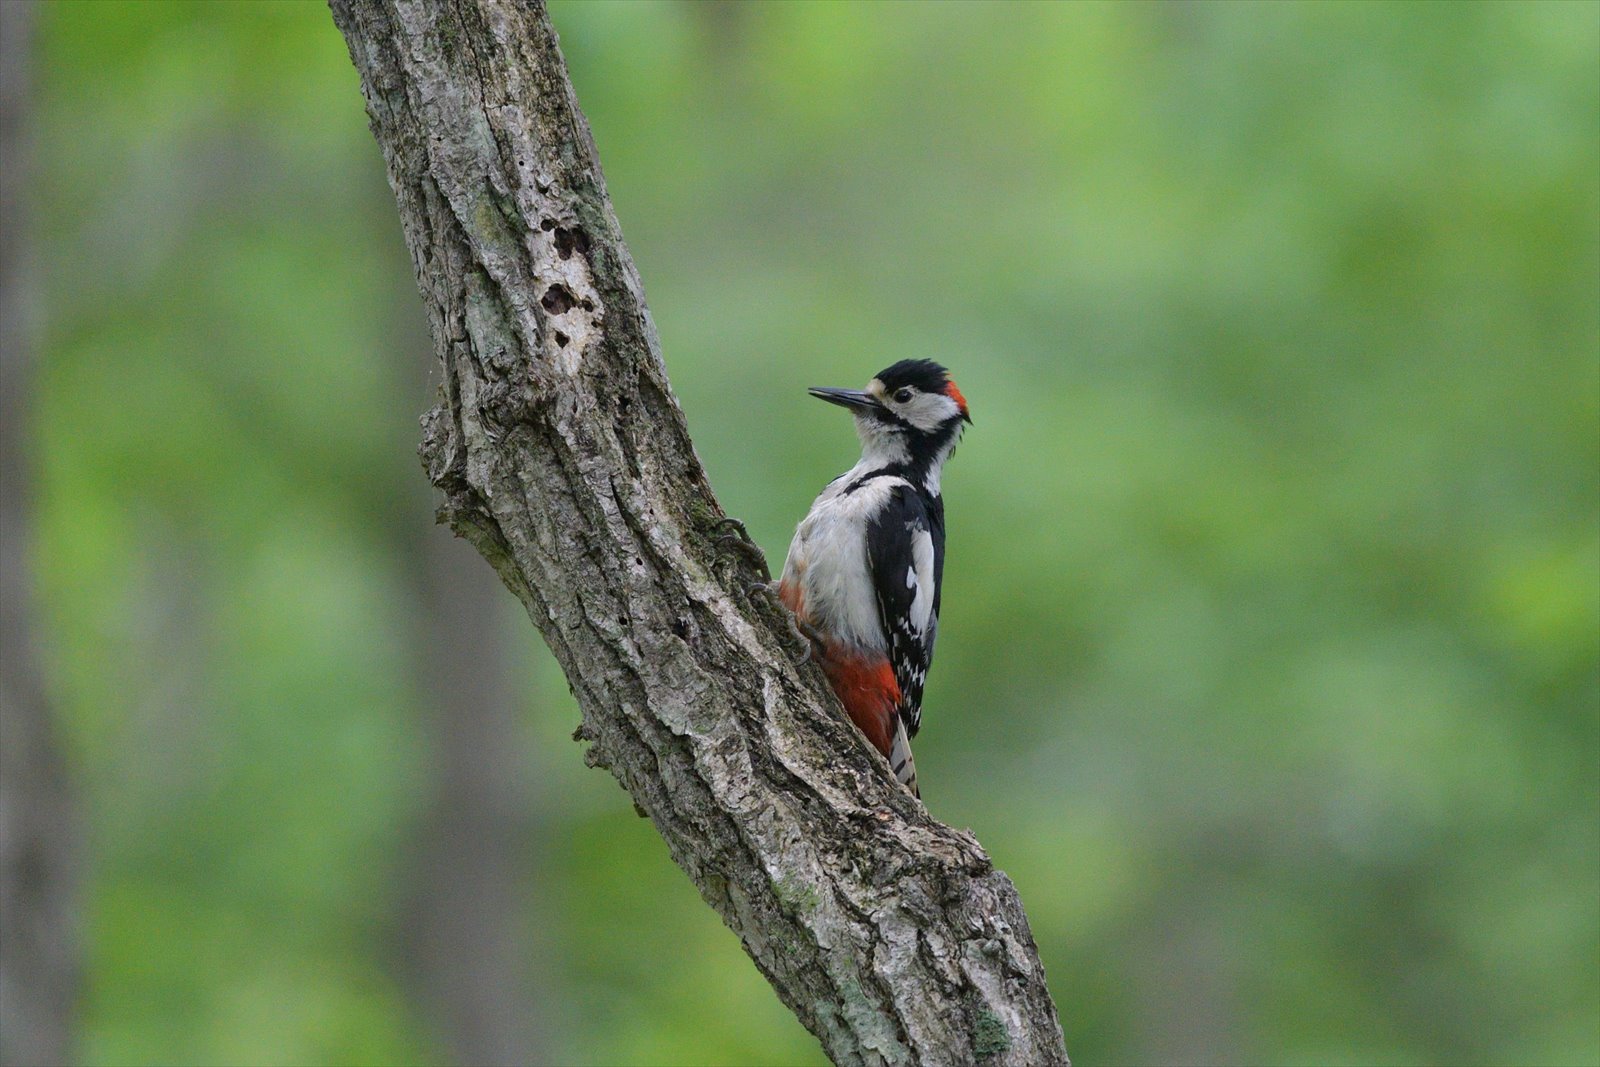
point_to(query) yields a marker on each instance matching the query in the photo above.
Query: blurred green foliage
(1269, 662)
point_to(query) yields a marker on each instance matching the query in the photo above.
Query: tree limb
(564, 457)
(39, 831)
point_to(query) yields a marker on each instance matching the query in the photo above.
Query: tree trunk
(471, 913)
(563, 456)
(38, 951)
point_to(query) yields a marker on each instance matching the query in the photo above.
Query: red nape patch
(869, 692)
(953, 393)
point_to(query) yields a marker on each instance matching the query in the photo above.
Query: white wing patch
(920, 577)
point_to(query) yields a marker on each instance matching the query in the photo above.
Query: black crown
(922, 374)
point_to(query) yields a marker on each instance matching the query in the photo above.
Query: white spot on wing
(922, 568)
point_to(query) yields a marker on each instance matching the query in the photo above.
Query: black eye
(902, 395)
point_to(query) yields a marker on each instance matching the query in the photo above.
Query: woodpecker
(866, 563)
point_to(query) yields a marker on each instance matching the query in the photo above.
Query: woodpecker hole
(570, 241)
(558, 300)
(547, 225)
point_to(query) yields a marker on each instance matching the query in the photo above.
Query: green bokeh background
(1270, 661)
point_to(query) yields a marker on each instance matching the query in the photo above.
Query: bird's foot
(805, 634)
(736, 536)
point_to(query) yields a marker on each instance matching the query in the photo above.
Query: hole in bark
(561, 339)
(588, 305)
(557, 300)
(680, 628)
(547, 224)
(569, 241)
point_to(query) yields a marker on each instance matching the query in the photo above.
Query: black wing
(905, 552)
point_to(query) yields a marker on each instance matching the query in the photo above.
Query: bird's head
(911, 413)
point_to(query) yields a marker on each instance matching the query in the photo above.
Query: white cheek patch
(928, 411)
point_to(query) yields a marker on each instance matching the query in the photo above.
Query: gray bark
(564, 458)
(38, 952)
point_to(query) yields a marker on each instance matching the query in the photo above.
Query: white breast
(828, 560)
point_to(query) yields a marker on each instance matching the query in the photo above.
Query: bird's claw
(796, 627)
(733, 523)
(740, 539)
(805, 643)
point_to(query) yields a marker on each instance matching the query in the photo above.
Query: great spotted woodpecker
(866, 563)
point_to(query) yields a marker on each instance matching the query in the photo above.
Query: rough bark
(564, 458)
(38, 952)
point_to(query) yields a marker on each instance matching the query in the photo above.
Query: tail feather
(900, 759)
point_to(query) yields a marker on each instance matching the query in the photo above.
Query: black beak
(846, 398)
